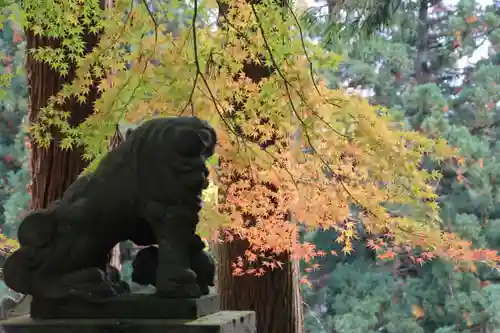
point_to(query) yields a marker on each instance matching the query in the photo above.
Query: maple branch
(199, 74)
(311, 71)
(292, 105)
(288, 85)
(155, 23)
(215, 101)
(116, 40)
(118, 36)
(131, 96)
(195, 47)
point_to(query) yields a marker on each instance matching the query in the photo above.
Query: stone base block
(133, 306)
(220, 322)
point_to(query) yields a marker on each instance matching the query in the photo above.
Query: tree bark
(52, 169)
(275, 296)
(422, 62)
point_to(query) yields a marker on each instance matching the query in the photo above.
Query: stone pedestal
(134, 306)
(132, 314)
(220, 322)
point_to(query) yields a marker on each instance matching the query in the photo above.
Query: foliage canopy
(332, 154)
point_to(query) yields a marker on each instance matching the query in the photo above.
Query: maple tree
(360, 156)
(397, 289)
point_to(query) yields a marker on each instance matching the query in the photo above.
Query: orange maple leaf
(387, 255)
(371, 244)
(417, 311)
(305, 280)
(470, 19)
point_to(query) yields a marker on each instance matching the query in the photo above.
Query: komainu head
(188, 137)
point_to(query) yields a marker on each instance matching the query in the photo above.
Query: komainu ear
(208, 138)
(188, 142)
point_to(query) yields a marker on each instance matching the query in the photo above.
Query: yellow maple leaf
(417, 311)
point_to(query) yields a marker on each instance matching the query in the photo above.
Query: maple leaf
(250, 256)
(470, 19)
(305, 281)
(417, 311)
(347, 249)
(371, 244)
(389, 254)
(321, 253)
(460, 160)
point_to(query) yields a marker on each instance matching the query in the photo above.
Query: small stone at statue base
(133, 306)
(220, 322)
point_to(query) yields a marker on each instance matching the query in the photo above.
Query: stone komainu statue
(147, 190)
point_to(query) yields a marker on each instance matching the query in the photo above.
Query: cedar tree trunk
(275, 296)
(422, 65)
(52, 169)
